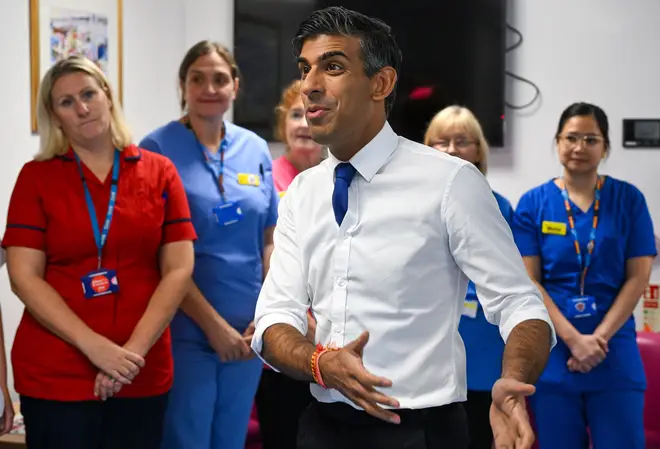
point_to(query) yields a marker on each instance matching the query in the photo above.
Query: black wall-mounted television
(453, 53)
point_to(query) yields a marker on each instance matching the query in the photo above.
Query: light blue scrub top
(625, 231)
(228, 259)
(484, 346)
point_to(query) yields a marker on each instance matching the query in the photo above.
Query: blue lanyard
(210, 162)
(100, 236)
(586, 262)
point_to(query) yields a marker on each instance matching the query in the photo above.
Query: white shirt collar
(373, 155)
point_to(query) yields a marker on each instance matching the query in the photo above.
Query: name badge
(249, 179)
(553, 228)
(581, 307)
(100, 283)
(228, 213)
(470, 308)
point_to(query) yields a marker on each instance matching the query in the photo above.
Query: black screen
(453, 53)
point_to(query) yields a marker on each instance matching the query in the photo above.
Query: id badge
(228, 213)
(470, 308)
(582, 307)
(100, 283)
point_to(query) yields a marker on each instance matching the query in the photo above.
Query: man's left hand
(508, 415)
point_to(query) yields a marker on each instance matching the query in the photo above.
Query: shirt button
(337, 331)
(341, 282)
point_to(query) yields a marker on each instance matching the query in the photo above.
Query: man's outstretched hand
(508, 415)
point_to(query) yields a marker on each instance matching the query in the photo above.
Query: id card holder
(227, 214)
(470, 308)
(582, 307)
(100, 283)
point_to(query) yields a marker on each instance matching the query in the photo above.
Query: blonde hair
(53, 142)
(458, 117)
(289, 96)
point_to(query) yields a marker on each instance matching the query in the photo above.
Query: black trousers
(337, 425)
(281, 401)
(478, 415)
(118, 423)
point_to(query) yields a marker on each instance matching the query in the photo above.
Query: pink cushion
(253, 431)
(253, 440)
(533, 423)
(649, 347)
(652, 440)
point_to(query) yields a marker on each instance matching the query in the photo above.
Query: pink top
(283, 173)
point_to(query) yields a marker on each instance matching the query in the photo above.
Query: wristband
(314, 364)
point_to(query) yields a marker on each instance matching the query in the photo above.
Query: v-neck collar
(576, 209)
(130, 154)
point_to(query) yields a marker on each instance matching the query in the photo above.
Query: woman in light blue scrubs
(227, 173)
(456, 131)
(588, 242)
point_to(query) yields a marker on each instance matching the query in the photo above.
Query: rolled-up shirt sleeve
(483, 247)
(283, 297)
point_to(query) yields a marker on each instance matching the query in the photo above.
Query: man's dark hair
(379, 49)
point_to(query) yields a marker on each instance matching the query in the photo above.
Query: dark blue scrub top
(625, 231)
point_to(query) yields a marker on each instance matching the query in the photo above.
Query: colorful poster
(79, 33)
(651, 311)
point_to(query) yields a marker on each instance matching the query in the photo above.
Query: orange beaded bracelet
(314, 363)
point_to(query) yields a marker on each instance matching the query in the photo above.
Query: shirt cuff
(529, 312)
(178, 230)
(269, 320)
(528, 252)
(34, 238)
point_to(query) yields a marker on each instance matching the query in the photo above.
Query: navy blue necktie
(344, 173)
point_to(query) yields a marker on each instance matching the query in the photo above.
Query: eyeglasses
(459, 144)
(574, 139)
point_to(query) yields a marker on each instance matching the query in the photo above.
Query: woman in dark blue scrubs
(456, 131)
(588, 242)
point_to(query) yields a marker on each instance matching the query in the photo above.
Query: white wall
(15, 138)
(592, 50)
(156, 36)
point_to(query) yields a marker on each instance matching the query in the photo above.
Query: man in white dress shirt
(379, 241)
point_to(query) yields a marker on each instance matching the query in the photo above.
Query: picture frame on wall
(61, 28)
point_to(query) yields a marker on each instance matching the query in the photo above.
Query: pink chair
(253, 440)
(649, 346)
(533, 423)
